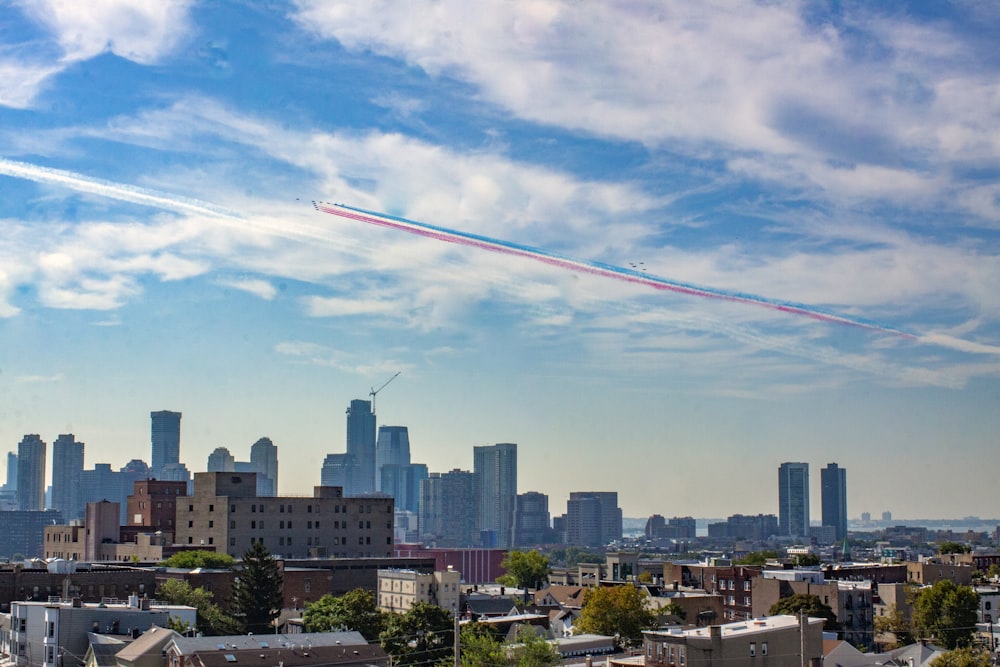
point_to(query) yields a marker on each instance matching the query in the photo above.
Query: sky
(820, 181)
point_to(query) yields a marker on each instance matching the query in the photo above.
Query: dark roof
(489, 606)
(316, 656)
(104, 654)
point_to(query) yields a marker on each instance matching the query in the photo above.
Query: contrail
(608, 270)
(110, 189)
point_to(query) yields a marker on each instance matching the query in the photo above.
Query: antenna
(384, 384)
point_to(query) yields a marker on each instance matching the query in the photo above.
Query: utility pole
(458, 647)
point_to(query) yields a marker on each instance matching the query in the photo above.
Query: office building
(31, 472)
(531, 525)
(793, 499)
(361, 443)
(833, 484)
(593, 518)
(11, 484)
(264, 462)
(23, 532)
(165, 436)
(67, 467)
(392, 447)
(220, 460)
(447, 509)
(153, 504)
(402, 482)
(226, 513)
(495, 470)
(340, 470)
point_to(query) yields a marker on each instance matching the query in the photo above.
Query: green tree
(257, 590)
(573, 556)
(964, 657)
(423, 635)
(953, 548)
(946, 613)
(534, 650)
(807, 560)
(200, 558)
(354, 610)
(674, 609)
(480, 647)
(211, 620)
(757, 557)
(810, 605)
(896, 623)
(616, 610)
(525, 569)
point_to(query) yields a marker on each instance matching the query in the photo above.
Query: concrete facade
(398, 590)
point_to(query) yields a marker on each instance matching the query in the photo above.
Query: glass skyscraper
(165, 436)
(833, 484)
(361, 443)
(793, 499)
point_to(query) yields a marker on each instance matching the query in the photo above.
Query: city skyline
(631, 238)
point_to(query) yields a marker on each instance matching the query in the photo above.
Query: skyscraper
(495, 470)
(31, 472)
(391, 448)
(447, 509)
(11, 471)
(593, 518)
(166, 440)
(220, 460)
(67, 467)
(531, 524)
(793, 499)
(833, 484)
(264, 461)
(402, 482)
(340, 470)
(361, 443)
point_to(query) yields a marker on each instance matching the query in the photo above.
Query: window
(190, 508)
(281, 541)
(211, 508)
(746, 600)
(232, 541)
(368, 524)
(753, 649)
(307, 585)
(746, 585)
(232, 525)
(281, 508)
(190, 524)
(763, 648)
(253, 508)
(309, 509)
(232, 508)
(281, 525)
(289, 525)
(989, 605)
(211, 540)
(253, 524)
(361, 524)
(211, 524)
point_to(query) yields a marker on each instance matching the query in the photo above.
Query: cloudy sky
(159, 248)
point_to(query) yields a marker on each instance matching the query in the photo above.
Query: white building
(398, 590)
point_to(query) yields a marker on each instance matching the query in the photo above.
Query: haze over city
(159, 248)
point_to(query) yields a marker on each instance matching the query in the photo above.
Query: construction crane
(384, 384)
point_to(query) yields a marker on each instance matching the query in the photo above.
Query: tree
(964, 657)
(807, 560)
(573, 556)
(423, 635)
(757, 557)
(354, 610)
(896, 623)
(953, 548)
(480, 648)
(211, 620)
(534, 650)
(946, 613)
(525, 569)
(200, 558)
(257, 590)
(616, 610)
(810, 605)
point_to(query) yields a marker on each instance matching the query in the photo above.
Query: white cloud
(262, 288)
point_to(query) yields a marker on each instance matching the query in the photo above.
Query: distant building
(11, 484)
(793, 499)
(31, 473)
(165, 437)
(220, 460)
(447, 509)
(593, 518)
(361, 445)
(398, 590)
(402, 482)
(743, 527)
(67, 467)
(833, 484)
(495, 471)
(153, 504)
(340, 470)
(23, 532)
(392, 447)
(531, 519)
(226, 513)
(264, 462)
(477, 566)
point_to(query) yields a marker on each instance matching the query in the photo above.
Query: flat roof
(751, 626)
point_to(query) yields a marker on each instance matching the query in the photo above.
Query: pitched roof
(566, 596)
(153, 639)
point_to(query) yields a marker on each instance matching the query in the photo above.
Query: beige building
(398, 590)
(225, 513)
(776, 641)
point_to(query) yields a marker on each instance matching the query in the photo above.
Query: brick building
(153, 504)
(226, 514)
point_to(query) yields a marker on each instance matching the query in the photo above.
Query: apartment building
(776, 641)
(398, 590)
(225, 513)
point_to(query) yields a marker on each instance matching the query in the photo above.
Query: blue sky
(159, 249)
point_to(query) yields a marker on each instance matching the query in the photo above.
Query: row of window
(289, 509)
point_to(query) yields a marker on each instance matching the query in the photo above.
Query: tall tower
(166, 440)
(264, 461)
(361, 443)
(495, 470)
(833, 484)
(67, 467)
(793, 499)
(31, 472)
(220, 460)
(391, 448)
(11, 471)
